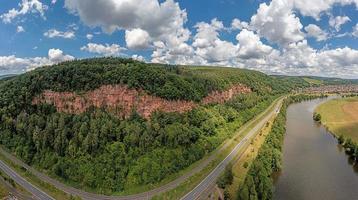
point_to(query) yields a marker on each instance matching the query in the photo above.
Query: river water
(315, 167)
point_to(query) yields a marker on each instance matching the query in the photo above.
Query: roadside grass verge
(3, 191)
(224, 149)
(243, 161)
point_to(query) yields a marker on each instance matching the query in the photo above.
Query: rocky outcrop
(122, 100)
(223, 96)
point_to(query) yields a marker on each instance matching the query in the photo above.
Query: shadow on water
(315, 166)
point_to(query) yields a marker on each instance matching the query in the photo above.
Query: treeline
(304, 97)
(258, 183)
(351, 147)
(350, 95)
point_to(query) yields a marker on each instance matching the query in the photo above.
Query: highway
(37, 193)
(214, 175)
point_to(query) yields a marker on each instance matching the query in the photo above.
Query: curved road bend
(213, 176)
(37, 193)
(149, 194)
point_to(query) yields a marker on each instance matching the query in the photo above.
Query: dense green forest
(98, 151)
(258, 183)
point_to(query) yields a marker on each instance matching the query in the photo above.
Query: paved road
(213, 176)
(13, 192)
(142, 196)
(37, 193)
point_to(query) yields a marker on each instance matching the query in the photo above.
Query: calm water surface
(314, 166)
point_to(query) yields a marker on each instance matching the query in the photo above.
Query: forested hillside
(99, 151)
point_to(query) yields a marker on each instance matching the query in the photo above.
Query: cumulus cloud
(316, 32)
(138, 57)
(89, 36)
(20, 29)
(317, 7)
(26, 6)
(137, 39)
(301, 59)
(105, 50)
(251, 46)
(53, 33)
(208, 44)
(338, 21)
(237, 24)
(355, 31)
(13, 64)
(56, 55)
(161, 21)
(277, 22)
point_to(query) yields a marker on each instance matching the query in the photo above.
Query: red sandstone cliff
(122, 100)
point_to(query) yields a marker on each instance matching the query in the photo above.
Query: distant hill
(7, 76)
(167, 82)
(317, 81)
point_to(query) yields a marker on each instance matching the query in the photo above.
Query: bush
(317, 117)
(226, 178)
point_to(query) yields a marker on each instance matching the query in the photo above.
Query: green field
(340, 116)
(313, 81)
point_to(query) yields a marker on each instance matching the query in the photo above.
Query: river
(314, 165)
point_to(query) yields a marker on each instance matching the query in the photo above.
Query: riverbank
(340, 117)
(258, 182)
(314, 166)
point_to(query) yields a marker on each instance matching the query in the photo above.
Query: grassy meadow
(340, 116)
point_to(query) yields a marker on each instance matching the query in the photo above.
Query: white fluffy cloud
(138, 57)
(13, 64)
(338, 21)
(89, 36)
(137, 39)
(20, 29)
(301, 59)
(26, 6)
(56, 55)
(53, 33)
(209, 46)
(105, 50)
(237, 24)
(355, 31)
(315, 8)
(316, 32)
(277, 22)
(251, 46)
(161, 21)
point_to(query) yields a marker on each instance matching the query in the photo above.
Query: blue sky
(293, 37)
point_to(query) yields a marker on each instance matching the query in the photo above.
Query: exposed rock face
(122, 100)
(222, 97)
